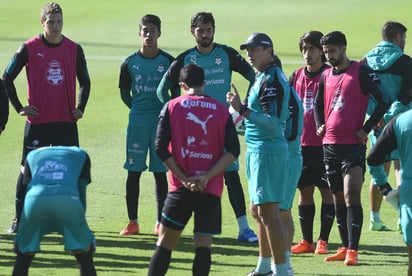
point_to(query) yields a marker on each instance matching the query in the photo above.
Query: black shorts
(50, 134)
(339, 158)
(179, 206)
(313, 170)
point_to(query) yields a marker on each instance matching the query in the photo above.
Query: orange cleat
(322, 247)
(131, 229)
(302, 247)
(340, 255)
(351, 257)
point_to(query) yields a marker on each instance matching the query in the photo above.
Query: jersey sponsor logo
(192, 117)
(190, 103)
(187, 153)
(55, 74)
(40, 55)
(52, 170)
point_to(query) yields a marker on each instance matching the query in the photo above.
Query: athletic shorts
(179, 206)
(313, 170)
(339, 159)
(267, 177)
(405, 213)
(139, 141)
(63, 214)
(50, 134)
(294, 169)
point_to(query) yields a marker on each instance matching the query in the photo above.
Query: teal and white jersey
(56, 171)
(141, 75)
(268, 101)
(218, 65)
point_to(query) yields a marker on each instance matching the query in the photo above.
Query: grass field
(107, 30)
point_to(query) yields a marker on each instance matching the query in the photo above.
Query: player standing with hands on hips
(267, 153)
(197, 140)
(340, 110)
(53, 62)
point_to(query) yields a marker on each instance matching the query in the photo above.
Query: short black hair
(152, 19)
(203, 18)
(336, 38)
(391, 28)
(193, 75)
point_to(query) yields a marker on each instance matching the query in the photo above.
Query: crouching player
(56, 179)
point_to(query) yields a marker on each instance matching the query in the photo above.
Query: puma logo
(192, 117)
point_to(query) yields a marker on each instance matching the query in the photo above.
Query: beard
(205, 42)
(335, 62)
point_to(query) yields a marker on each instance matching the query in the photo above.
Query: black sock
(161, 192)
(341, 220)
(327, 216)
(21, 267)
(306, 215)
(132, 193)
(355, 221)
(85, 259)
(160, 262)
(202, 262)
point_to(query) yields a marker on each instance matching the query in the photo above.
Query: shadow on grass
(127, 254)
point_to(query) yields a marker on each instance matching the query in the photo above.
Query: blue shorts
(63, 214)
(294, 169)
(267, 177)
(181, 204)
(139, 141)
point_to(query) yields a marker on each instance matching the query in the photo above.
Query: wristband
(385, 189)
(243, 109)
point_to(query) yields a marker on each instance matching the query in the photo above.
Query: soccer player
(196, 156)
(53, 62)
(218, 61)
(394, 68)
(266, 112)
(398, 135)
(140, 75)
(306, 82)
(4, 108)
(340, 109)
(293, 133)
(56, 180)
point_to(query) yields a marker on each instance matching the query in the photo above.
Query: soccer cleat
(14, 226)
(351, 257)
(340, 255)
(156, 229)
(247, 235)
(254, 273)
(378, 226)
(322, 247)
(302, 247)
(131, 229)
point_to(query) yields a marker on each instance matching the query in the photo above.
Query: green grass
(107, 30)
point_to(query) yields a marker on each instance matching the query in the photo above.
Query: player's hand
(362, 136)
(29, 111)
(321, 131)
(77, 114)
(233, 98)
